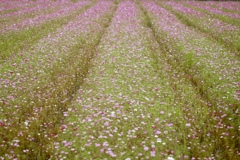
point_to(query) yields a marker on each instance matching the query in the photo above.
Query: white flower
(170, 158)
(188, 124)
(26, 123)
(112, 114)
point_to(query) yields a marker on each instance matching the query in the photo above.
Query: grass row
(226, 34)
(13, 7)
(31, 12)
(13, 42)
(8, 11)
(232, 7)
(212, 72)
(223, 17)
(39, 107)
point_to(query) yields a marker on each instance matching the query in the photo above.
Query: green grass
(15, 41)
(152, 71)
(127, 82)
(11, 20)
(8, 11)
(225, 38)
(226, 10)
(231, 11)
(184, 65)
(232, 21)
(54, 90)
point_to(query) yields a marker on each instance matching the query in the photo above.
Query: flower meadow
(119, 79)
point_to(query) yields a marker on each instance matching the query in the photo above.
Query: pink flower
(153, 153)
(102, 150)
(112, 154)
(106, 124)
(146, 148)
(63, 127)
(2, 123)
(169, 125)
(105, 144)
(87, 144)
(65, 114)
(97, 145)
(188, 124)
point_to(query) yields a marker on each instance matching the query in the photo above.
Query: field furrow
(42, 86)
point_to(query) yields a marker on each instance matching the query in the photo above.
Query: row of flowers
(211, 68)
(11, 5)
(127, 107)
(53, 11)
(41, 82)
(214, 10)
(22, 36)
(228, 6)
(223, 32)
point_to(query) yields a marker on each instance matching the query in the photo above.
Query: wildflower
(188, 124)
(170, 158)
(97, 145)
(112, 154)
(26, 123)
(105, 144)
(25, 150)
(159, 140)
(170, 125)
(2, 123)
(153, 153)
(63, 127)
(146, 148)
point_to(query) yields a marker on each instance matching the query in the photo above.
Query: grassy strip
(229, 10)
(13, 7)
(225, 38)
(223, 7)
(224, 18)
(8, 11)
(13, 42)
(185, 63)
(41, 112)
(233, 7)
(7, 21)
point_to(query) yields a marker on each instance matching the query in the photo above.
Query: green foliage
(15, 41)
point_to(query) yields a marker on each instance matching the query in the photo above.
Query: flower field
(119, 79)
